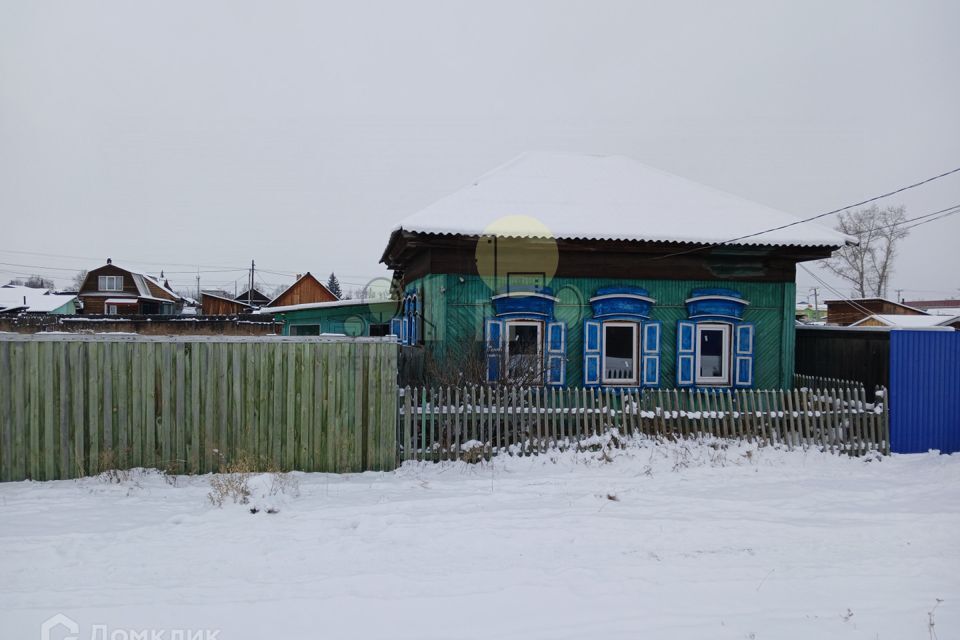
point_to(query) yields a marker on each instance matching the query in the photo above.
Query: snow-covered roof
(943, 311)
(595, 197)
(908, 321)
(37, 300)
(325, 305)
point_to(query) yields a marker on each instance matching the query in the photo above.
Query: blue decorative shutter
(592, 350)
(493, 341)
(650, 361)
(395, 327)
(556, 354)
(405, 330)
(686, 353)
(418, 320)
(743, 355)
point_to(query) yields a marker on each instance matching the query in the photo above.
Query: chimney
(109, 261)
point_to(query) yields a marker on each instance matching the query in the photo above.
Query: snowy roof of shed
(902, 320)
(354, 302)
(596, 197)
(38, 300)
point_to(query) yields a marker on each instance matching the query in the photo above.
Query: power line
(842, 297)
(811, 218)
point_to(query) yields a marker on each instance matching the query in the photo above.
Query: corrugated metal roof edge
(626, 239)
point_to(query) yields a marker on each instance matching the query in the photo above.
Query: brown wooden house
(113, 290)
(307, 289)
(850, 311)
(219, 303)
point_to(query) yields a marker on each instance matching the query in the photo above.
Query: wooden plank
(287, 436)
(6, 413)
(279, 397)
(237, 423)
(78, 406)
(408, 446)
(48, 406)
(33, 411)
(356, 396)
(136, 403)
(195, 455)
(452, 423)
(150, 405)
(65, 463)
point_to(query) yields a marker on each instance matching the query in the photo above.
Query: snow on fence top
(594, 197)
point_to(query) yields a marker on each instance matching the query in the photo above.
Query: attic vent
(109, 261)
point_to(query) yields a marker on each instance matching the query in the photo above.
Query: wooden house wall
(846, 313)
(454, 313)
(305, 291)
(213, 306)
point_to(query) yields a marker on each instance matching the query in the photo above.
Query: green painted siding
(456, 306)
(352, 320)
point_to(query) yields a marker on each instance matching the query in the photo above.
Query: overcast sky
(175, 134)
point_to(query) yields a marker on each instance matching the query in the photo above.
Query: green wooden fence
(76, 405)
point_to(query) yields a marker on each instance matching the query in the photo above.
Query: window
(713, 354)
(379, 329)
(305, 330)
(523, 350)
(111, 283)
(111, 310)
(620, 352)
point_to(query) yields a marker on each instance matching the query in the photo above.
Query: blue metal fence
(924, 391)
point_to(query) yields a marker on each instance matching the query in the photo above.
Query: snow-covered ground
(664, 541)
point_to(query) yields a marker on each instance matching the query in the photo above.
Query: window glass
(379, 329)
(712, 350)
(523, 348)
(305, 330)
(619, 353)
(111, 283)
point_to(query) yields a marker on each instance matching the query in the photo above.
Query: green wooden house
(602, 271)
(594, 271)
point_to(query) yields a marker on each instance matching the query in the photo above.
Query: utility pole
(250, 288)
(816, 302)
(899, 295)
(198, 284)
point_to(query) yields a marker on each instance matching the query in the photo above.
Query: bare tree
(868, 265)
(465, 363)
(34, 282)
(79, 279)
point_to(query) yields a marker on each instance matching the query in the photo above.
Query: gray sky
(170, 134)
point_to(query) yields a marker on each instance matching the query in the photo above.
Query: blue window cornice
(536, 303)
(627, 303)
(715, 304)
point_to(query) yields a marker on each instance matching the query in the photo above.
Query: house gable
(305, 290)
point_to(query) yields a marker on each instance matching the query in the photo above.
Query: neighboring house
(807, 314)
(852, 310)
(220, 303)
(113, 290)
(18, 299)
(602, 271)
(950, 307)
(901, 321)
(253, 298)
(350, 317)
(305, 290)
